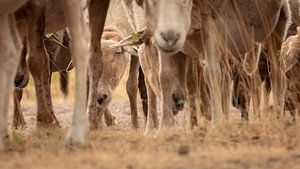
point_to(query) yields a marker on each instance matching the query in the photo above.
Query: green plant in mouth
(181, 101)
(136, 37)
(48, 35)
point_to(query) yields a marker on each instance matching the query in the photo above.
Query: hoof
(162, 130)
(149, 127)
(47, 120)
(76, 138)
(147, 132)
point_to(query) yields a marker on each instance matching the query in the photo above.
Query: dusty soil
(232, 145)
(263, 144)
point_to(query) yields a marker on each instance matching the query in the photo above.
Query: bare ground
(232, 145)
(263, 144)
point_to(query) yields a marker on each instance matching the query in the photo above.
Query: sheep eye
(118, 52)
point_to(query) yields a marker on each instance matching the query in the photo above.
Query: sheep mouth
(168, 50)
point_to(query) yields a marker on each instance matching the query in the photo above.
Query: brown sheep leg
(18, 117)
(39, 66)
(203, 94)
(239, 96)
(250, 62)
(132, 89)
(278, 79)
(256, 93)
(21, 80)
(192, 79)
(152, 120)
(143, 93)
(226, 81)
(97, 12)
(213, 56)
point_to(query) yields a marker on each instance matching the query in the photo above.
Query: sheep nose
(170, 37)
(21, 81)
(179, 101)
(102, 98)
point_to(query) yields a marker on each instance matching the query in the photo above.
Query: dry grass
(262, 144)
(230, 146)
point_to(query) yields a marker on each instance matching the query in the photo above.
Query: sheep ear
(134, 39)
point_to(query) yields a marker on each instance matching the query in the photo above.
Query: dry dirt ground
(262, 144)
